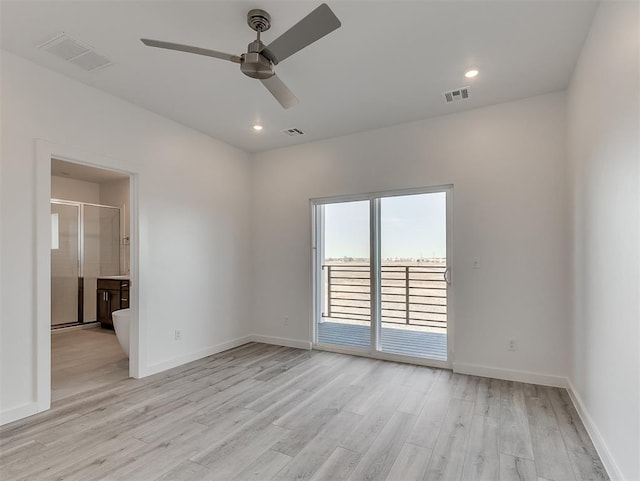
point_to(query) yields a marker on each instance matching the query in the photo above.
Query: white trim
(317, 253)
(194, 356)
(510, 375)
(79, 203)
(281, 341)
(451, 325)
(384, 356)
(594, 433)
(375, 275)
(20, 412)
(137, 330)
(374, 252)
(385, 193)
(42, 294)
(45, 151)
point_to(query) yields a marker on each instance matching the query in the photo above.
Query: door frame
(45, 151)
(317, 233)
(81, 239)
(79, 302)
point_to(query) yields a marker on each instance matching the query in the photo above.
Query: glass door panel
(381, 274)
(345, 287)
(413, 292)
(65, 261)
(101, 249)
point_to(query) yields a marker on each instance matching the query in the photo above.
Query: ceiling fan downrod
(253, 63)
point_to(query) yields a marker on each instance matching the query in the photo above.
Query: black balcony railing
(410, 294)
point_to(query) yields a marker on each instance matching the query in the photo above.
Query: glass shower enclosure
(85, 245)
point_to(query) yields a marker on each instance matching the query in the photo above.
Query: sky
(413, 226)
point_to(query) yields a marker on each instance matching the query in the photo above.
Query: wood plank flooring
(84, 359)
(261, 412)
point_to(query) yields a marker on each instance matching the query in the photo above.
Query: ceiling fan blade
(189, 49)
(314, 26)
(280, 91)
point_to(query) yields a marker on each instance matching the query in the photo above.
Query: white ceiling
(389, 62)
(61, 168)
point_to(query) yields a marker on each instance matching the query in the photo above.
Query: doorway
(46, 151)
(382, 275)
(89, 249)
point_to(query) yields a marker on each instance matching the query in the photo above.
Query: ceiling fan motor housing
(254, 64)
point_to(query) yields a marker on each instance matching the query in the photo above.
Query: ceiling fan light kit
(259, 60)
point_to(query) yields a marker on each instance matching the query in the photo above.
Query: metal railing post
(406, 294)
(328, 291)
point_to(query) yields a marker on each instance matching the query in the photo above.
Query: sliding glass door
(381, 274)
(344, 269)
(413, 288)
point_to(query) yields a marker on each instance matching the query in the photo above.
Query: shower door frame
(81, 249)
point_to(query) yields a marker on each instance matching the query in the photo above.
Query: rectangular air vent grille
(454, 95)
(77, 53)
(91, 61)
(293, 132)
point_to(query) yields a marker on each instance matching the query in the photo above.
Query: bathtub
(121, 321)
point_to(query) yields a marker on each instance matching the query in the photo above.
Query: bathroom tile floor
(85, 359)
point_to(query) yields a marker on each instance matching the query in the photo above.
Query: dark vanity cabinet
(112, 295)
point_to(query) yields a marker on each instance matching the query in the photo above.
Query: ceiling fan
(259, 60)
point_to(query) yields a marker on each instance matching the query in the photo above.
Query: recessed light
(257, 127)
(471, 73)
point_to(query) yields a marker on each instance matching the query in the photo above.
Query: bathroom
(90, 277)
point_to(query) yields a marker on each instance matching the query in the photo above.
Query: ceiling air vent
(293, 132)
(75, 52)
(454, 95)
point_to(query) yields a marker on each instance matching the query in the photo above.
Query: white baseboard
(594, 433)
(510, 375)
(23, 411)
(194, 356)
(281, 341)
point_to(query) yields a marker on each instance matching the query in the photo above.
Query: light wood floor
(85, 359)
(263, 412)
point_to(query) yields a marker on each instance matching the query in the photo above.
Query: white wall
(73, 189)
(193, 221)
(603, 137)
(507, 166)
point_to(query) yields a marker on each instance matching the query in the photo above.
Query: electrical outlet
(285, 320)
(512, 346)
(476, 263)
(177, 335)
